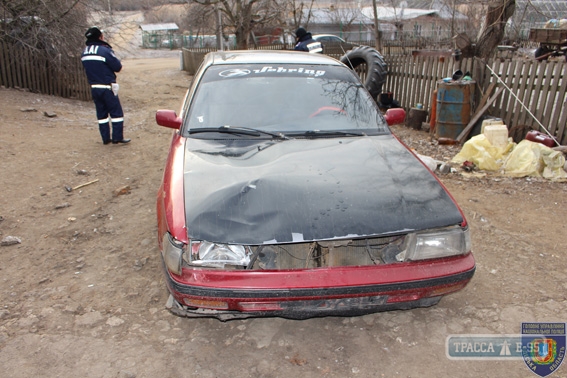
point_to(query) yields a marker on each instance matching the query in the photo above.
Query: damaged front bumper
(349, 291)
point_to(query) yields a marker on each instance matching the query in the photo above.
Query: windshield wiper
(327, 133)
(237, 131)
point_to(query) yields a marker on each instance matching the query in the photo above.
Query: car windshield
(294, 100)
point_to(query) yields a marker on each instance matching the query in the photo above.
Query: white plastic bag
(115, 88)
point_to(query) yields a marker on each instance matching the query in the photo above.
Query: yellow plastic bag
(535, 159)
(525, 160)
(483, 154)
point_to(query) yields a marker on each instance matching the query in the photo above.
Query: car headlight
(219, 255)
(173, 254)
(435, 244)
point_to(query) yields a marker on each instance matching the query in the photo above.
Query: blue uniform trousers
(108, 111)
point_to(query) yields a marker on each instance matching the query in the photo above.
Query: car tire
(370, 65)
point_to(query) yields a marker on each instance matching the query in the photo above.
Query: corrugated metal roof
(158, 27)
(365, 15)
(398, 14)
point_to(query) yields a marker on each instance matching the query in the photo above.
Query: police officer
(101, 66)
(305, 42)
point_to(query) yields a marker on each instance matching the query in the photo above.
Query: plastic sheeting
(535, 159)
(483, 154)
(516, 160)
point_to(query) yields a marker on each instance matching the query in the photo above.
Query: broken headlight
(173, 253)
(219, 255)
(446, 242)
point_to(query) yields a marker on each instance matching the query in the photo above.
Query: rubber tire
(541, 51)
(370, 65)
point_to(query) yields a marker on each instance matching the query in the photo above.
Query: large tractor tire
(367, 62)
(540, 51)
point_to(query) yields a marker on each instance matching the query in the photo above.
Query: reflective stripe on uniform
(103, 121)
(104, 86)
(93, 57)
(121, 119)
(315, 47)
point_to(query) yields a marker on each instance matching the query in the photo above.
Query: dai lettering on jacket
(93, 49)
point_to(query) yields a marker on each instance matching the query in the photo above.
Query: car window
(283, 98)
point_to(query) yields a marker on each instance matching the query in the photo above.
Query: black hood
(306, 37)
(247, 192)
(91, 42)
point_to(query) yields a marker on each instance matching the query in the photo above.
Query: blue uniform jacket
(100, 63)
(307, 43)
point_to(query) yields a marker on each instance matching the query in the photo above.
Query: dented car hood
(267, 191)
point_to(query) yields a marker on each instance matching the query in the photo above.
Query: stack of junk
(493, 150)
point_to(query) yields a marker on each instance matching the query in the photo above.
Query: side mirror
(395, 116)
(168, 118)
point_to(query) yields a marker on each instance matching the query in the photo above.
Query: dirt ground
(83, 295)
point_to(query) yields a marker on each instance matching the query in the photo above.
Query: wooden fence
(21, 68)
(535, 95)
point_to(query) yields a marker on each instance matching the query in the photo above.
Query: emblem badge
(543, 347)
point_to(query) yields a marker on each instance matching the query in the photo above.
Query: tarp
(526, 158)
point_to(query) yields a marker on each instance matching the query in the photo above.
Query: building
(354, 21)
(159, 35)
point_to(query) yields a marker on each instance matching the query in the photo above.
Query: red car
(285, 194)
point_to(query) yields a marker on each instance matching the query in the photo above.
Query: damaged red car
(285, 194)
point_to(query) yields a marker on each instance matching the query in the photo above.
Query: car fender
(170, 209)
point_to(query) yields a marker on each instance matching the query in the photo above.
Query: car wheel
(367, 62)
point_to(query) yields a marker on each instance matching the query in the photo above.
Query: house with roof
(419, 23)
(354, 20)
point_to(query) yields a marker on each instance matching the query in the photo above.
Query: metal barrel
(454, 104)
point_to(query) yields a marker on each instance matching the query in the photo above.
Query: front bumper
(345, 291)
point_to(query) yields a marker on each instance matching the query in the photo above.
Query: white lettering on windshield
(270, 69)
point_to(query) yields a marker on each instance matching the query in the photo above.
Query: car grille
(373, 251)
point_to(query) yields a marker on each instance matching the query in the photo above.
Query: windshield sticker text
(269, 69)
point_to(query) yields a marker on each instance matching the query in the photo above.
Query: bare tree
(112, 6)
(474, 13)
(243, 16)
(343, 13)
(499, 12)
(301, 13)
(200, 19)
(398, 21)
(52, 28)
(377, 35)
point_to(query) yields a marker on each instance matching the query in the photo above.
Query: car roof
(267, 57)
(327, 35)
